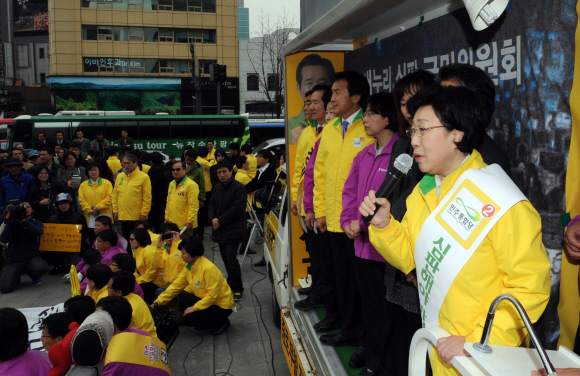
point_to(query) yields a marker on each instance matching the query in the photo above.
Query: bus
(4, 124)
(266, 129)
(165, 133)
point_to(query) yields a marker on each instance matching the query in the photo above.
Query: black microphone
(401, 166)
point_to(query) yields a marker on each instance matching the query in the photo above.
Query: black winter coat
(228, 205)
(37, 194)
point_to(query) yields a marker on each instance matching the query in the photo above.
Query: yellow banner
(61, 238)
(305, 70)
(569, 305)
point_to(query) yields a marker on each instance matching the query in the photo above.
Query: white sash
(455, 230)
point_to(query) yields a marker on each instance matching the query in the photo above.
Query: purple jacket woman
(367, 173)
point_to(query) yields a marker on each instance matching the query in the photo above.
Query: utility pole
(217, 73)
(195, 79)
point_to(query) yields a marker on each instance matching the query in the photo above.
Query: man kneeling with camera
(22, 233)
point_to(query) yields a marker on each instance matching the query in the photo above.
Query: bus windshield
(169, 134)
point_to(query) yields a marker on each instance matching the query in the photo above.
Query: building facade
(243, 21)
(133, 54)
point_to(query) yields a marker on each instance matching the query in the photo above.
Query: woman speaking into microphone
(469, 231)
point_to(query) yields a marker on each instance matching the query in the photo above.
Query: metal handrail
(485, 348)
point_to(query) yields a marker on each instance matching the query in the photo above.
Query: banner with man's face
(305, 70)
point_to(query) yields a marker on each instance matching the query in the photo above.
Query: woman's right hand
(46, 201)
(383, 216)
(70, 183)
(159, 242)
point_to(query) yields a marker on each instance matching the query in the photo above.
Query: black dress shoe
(260, 263)
(304, 291)
(327, 325)
(358, 359)
(338, 340)
(308, 303)
(220, 329)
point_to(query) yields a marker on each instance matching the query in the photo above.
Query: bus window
(186, 129)
(114, 128)
(154, 130)
(23, 134)
(216, 128)
(50, 128)
(89, 128)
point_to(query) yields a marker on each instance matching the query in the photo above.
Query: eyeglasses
(176, 169)
(420, 131)
(369, 113)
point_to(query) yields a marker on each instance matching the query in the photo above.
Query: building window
(180, 5)
(165, 4)
(136, 33)
(166, 35)
(195, 36)
(208, 6)
(135, 4)
(194, 5)
(253, 82)
(151, 34)
(105, 33)
(43, 78)
(89, 32)
(209, 36)
(180, 35)
(41, 54)
(121, 33)
(272, 82)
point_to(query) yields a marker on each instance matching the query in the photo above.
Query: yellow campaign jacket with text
(148, 265)
(132, 195)
(141, 318)
(333, 162)
(182, 202)
(205, 281)
(205, 165)
(114, 164)
(304, 150)
(99, 195)
(510, 260)
(171, 262)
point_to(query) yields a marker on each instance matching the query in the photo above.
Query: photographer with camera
(22, 233)
(16, 184)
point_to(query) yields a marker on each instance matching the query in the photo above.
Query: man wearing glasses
(16, 184)
(182, 200)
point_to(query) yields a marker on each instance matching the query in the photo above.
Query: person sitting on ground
(125, 354)
(211, 301)
(79, 308)
(23, 239)
(171, 255)
(90, 257)
(148, 263)
(124, 262)
(66, 216)
(54, 328)
(15, 357)
(107, 245)
(88, 344)
(121, 284)
(243, 167)
(97, 280)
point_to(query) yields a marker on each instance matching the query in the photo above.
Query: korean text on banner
(61, 238)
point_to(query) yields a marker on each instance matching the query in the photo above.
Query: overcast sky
(272, 10)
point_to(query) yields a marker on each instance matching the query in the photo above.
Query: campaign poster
(30, 17)
(305, 70)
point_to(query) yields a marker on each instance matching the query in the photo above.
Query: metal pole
(219, 100)
(198, 88)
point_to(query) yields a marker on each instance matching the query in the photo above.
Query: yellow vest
(182, 202)
(135, 348)
(333, 163)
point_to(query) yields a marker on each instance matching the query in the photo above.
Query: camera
(16, 209)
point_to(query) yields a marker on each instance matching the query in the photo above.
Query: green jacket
(196, 174)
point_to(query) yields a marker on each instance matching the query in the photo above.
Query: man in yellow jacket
(211, 300)
(182, 200)
(205, 161)
(246, 151)
(113, 160)
(122, 284)
(172, 263)
(131, 196)
(341, 141)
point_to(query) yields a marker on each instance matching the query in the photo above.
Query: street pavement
(243, 350)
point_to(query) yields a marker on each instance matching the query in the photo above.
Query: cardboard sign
(61, 238)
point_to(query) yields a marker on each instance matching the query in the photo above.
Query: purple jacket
(367, 173)
(31, 363)
(308, 199)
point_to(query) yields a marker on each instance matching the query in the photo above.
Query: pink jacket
(309, 181)
(367, 173)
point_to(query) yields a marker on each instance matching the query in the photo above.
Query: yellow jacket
(142, 318)
(205, 281)
(98, 295)
(132, 196)
(243, 177)
(304, 150)
(114, 164)
(171, 262)
(99, 195)
(332, 167)
(253, 161)
(148, 265)
(510, 260)
(182, 202)
(145, 168)
(205, 165)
